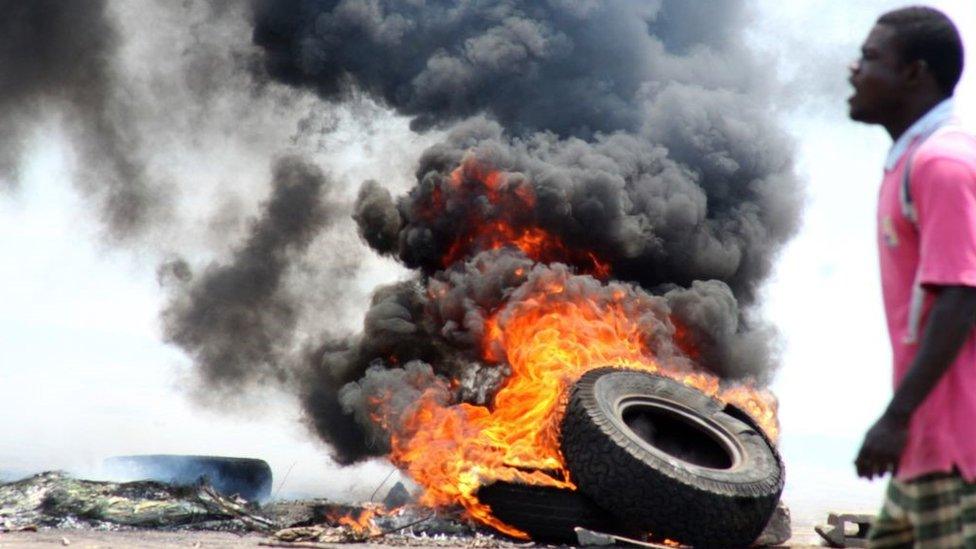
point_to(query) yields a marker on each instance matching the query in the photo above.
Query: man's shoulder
(952, 144)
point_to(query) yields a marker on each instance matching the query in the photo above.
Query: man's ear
(917, 72)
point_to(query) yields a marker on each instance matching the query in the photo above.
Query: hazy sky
(84, 373)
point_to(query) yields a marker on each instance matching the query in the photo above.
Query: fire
(359, 521)
(549, 343)
(550, 338)
(507, 222)
(761, 404)
(551, 332)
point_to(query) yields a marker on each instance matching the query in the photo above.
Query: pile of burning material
(56, 500)
(409, 524)
(549, 515)
(486, 374)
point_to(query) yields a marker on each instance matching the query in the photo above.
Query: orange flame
(512, 199)
(359, 521)
(761, 404)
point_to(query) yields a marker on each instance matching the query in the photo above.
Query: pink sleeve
(944, 190)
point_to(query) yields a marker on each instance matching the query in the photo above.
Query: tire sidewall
(756, 459)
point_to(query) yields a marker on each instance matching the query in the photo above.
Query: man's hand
(882, 447)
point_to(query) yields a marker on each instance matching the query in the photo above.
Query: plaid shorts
(937, 510)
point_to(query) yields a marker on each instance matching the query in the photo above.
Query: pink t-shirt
(941, 250)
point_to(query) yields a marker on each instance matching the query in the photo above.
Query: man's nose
(854, 66)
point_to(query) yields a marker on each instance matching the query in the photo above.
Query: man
(904, 81)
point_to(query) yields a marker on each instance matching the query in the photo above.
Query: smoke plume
(636, 136)
(573, 67)
(238, 320)
(61, 55)
(170, 125)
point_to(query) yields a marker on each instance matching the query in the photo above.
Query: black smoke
(573, 67)
(644, 126)
(61, 57)
(238, 319)
(640, 132)
(656, 219)
(166, 117)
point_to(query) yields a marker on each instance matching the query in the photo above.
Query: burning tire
(669, 460)
(547, 514)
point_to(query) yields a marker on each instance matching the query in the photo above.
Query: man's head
(911, 56)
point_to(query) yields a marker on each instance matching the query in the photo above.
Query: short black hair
(928, 34)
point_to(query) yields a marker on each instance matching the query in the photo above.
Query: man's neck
(908, 116)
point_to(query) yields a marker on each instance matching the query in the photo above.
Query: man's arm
(949, 324)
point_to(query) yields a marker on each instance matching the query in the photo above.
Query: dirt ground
(148, 539)
(91, 539)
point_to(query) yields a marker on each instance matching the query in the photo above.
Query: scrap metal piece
(398, 496)
(589, 537)
(835, 532)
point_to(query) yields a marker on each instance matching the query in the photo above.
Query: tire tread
(654, 497)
